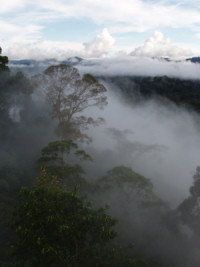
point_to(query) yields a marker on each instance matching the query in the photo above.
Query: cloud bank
(140, 66)
(103, 45)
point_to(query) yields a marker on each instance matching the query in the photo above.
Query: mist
(121, 65)
(140, 66)
(155, 137)
(161, 141)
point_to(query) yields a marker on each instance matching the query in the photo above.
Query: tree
(57, 158)
(189, 209)
(70, 95)
(15, 94)
(140, 212)
(57, 228)
(130, 185)
(3, 62)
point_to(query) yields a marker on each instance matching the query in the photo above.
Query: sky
(35, 29)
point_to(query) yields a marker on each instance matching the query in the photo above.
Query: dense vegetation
(182, 92)
(48, 220)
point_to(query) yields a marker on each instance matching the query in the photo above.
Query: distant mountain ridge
(73, 61)
(194, 59)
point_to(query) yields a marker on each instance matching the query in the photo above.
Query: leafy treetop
(58, 156)
(70, 95)
(58, 228)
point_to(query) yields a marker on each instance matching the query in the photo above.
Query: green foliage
(57, 228)
(131, 185)
(59, 158)
(3, 62)
(180, 91)
(184, 92)
(189, 209)
(15, 93)
(140, 212)
(12, 176)
(22, 134)
(122, 174)
(58, 151)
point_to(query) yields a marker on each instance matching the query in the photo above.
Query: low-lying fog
(156, 138)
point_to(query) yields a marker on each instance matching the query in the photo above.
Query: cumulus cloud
(100, 46)
(158, 46)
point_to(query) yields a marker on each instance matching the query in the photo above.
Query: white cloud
(137, 15)
(141, 66)
(118, 15)
(10, 32)
(100, 46)
(158, 46)
(129, 15)
(23, 21)
(11, 5)
(42, 49)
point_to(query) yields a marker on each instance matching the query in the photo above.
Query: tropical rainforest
(62, 206)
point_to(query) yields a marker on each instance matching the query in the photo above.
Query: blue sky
(100, 28)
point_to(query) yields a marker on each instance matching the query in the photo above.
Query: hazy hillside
(179, 91)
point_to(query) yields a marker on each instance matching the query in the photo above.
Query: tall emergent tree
(69, 94)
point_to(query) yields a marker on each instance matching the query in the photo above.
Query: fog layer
(155, 137)
(141, 66)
